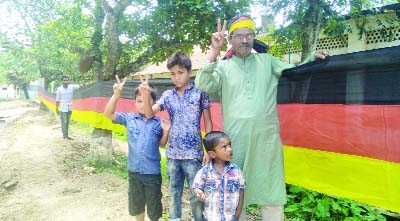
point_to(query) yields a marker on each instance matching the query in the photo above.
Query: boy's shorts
(145, 190)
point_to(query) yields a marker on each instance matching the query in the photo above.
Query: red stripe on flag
(98, 104)
(364, 130)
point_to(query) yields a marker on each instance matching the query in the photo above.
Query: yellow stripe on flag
(95, 119)
(367, 180)
(48, 104)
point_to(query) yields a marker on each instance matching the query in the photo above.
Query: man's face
(65, 82)
(242, 41)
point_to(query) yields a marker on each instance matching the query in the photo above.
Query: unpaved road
(41, 177)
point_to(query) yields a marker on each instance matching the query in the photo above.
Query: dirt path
(40, 178)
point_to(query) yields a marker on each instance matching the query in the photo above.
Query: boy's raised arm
(165, 125)
(109, 111)
(144, 87)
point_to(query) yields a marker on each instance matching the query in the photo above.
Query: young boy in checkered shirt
(220, 184)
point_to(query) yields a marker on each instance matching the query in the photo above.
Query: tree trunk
(311, 28)
(113, 44)
(95, 52)
(101, 142)
(25, 89)
(309, 36)
(101, 149)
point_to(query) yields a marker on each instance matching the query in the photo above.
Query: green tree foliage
(60, 43)
(166, 26)
(18, 66)
(28, 17)
(304, 18)
(115, 37)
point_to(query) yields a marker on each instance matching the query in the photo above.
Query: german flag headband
(242, 22)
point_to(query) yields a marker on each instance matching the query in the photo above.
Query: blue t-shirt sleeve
(120, 118)
(162, 101)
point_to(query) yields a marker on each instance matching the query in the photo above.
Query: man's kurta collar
(248, 58)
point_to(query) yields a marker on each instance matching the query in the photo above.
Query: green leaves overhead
(167, 26)
(60, 33)
(334, 20)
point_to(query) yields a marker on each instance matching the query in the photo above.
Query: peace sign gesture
(218, 38)
(118, 87)
(217, 41)
(144, 86)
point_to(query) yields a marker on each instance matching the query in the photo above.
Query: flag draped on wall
(340, 123)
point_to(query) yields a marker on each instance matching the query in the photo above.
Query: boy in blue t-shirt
(145, 136)
(185, 105)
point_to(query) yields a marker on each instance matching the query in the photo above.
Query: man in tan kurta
(247, 85)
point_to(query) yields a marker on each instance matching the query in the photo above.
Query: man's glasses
(249, 36)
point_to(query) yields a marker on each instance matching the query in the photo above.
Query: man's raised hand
(218, 37)
(119, 86)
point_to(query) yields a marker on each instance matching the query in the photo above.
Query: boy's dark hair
(181, 59)
(152, 92)
(212, 138)
(64, 76)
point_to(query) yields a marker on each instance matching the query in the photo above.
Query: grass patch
(306, 205)
(117, 167)
(6, 99)
(120, 136)
(82, 128)
(164, 172)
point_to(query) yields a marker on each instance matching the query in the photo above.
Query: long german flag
(340, 123)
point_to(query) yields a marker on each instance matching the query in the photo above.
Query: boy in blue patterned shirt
(220, 184)
(185, 105)
(145, 136)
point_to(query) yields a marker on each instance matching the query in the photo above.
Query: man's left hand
(322, 54)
